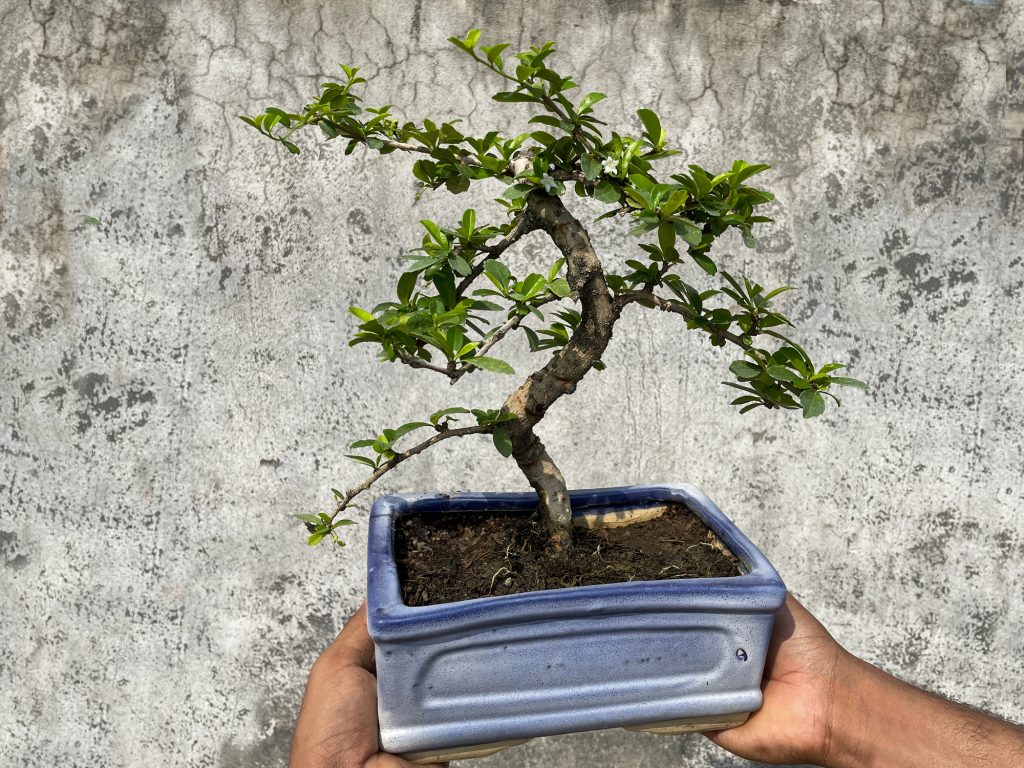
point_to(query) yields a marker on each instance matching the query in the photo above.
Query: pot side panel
(562, 676)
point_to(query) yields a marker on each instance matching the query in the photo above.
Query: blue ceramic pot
(674, 655)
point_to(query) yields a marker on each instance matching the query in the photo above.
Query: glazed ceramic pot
(465, 679)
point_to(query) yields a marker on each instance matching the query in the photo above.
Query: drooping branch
(649, 297)
(415, 362)
(387, 466)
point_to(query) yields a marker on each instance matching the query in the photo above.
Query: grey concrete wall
(175, 382)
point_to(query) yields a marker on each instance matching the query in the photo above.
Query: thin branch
(415, 362)
(522, 227)
(505, 328)
(387, 466)
(665, 305)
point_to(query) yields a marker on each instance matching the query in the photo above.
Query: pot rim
(759, 590)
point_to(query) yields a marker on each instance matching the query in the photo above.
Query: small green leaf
(307, 518)
(667, 238)
(362, 314)
(607, 192)
(782, 373)
(436, 416)
(316, 538)
(492, 364)
(704, 262)
(590, 166)
(744, 370)
(457, 184)
(689, 231)
(502, 442)
(361, 459)
(652, 126)
(813, 403)
(560, 287)
(846, 381)
(406, 284)
(468, 223)
(435, 232)
(589, 101)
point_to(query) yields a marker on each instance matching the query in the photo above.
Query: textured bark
(566, 367)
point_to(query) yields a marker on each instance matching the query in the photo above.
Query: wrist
(857, 694)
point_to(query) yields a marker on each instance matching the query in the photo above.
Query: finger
(353, 643)
(384, 760)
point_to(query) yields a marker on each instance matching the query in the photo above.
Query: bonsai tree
(457, 299)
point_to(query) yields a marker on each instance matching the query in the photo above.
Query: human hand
(337, 725)
(804, 668)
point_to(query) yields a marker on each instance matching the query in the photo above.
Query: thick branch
(570, 364)
(387, 466)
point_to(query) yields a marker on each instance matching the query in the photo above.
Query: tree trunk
(566, 367)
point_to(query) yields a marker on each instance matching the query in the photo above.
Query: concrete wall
(175, 382)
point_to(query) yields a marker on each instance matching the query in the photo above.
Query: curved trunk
(566, 367)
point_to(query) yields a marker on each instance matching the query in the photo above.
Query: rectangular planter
(478, 675)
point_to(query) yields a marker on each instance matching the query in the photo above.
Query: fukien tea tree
(457, 299)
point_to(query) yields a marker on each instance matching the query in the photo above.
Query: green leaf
(435, 232)
(846, 381)
(652, 126)
(492, 364)
(90, 220)
(362, 314)
(589, 101)
(813, 403)
(361, 459)
(468, 223)
(406, 284)
(607, 192)
(745, 370)
(667, 238)
(498, 271)
(704, 262)
(590, 166)
(316, 538)
(517, 191)
(689, 231)
(307, 518)
(457, 184)
(502, 442)
(436, 416)
(781, 373)
(493, 53)
(560, 287)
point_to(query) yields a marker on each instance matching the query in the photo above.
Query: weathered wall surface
(174, 382)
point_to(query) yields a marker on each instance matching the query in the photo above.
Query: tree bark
(566, 367)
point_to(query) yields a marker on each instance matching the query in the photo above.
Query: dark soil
(450, 557)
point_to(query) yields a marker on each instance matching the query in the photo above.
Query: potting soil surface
(445, 558)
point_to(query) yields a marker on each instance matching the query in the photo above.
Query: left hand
(337, 725)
